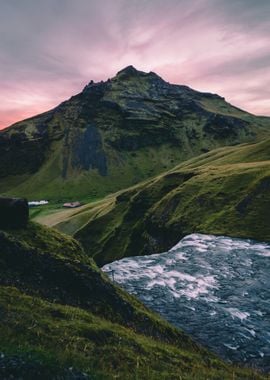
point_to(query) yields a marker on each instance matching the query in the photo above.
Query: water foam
(214, 287)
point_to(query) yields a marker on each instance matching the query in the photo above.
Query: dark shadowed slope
(115, 134)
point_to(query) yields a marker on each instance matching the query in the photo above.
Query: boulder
(14, 212)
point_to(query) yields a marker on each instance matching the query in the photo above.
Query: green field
(224, 192)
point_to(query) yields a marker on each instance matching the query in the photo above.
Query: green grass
(62, 337)
(224, 192)
(124, 168)
(59, 311)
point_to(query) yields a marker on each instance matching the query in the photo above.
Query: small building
(72, 204)
(37, 203)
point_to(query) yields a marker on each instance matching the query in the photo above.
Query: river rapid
(215, 288)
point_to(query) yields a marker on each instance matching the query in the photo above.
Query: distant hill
(224, 192)
(116, 133)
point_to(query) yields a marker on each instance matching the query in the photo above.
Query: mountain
(116, 133)
(223, 192)
(61, 318)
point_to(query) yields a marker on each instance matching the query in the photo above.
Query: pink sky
(50, 50)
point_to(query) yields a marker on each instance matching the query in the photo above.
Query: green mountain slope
(116, 133)
(226, 191)
(61, 318)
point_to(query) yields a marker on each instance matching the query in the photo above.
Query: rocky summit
(116, 133)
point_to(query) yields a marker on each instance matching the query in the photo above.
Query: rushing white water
(215, 288)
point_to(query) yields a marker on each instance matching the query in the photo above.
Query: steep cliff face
(116, 133)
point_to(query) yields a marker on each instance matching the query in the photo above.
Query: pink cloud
(49, 52)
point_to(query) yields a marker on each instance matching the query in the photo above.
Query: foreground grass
(63, 337)
(61, 316)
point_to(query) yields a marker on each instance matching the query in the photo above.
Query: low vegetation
(61, 318)
(224, 192)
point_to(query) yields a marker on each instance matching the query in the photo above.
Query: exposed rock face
(125, 129)
(21, 153)
(221, 126)
(14, 213)
(88, 152)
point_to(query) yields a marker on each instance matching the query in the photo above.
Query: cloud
(49, 50)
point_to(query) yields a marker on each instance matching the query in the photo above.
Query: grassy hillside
(226, 191)
(115, 134)
(61, 318)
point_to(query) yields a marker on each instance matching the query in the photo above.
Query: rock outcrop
(14, 213)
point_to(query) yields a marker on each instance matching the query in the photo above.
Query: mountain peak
(129, 70)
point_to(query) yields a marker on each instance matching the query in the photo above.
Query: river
(215, 288)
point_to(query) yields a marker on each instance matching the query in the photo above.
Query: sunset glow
(50, 50)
